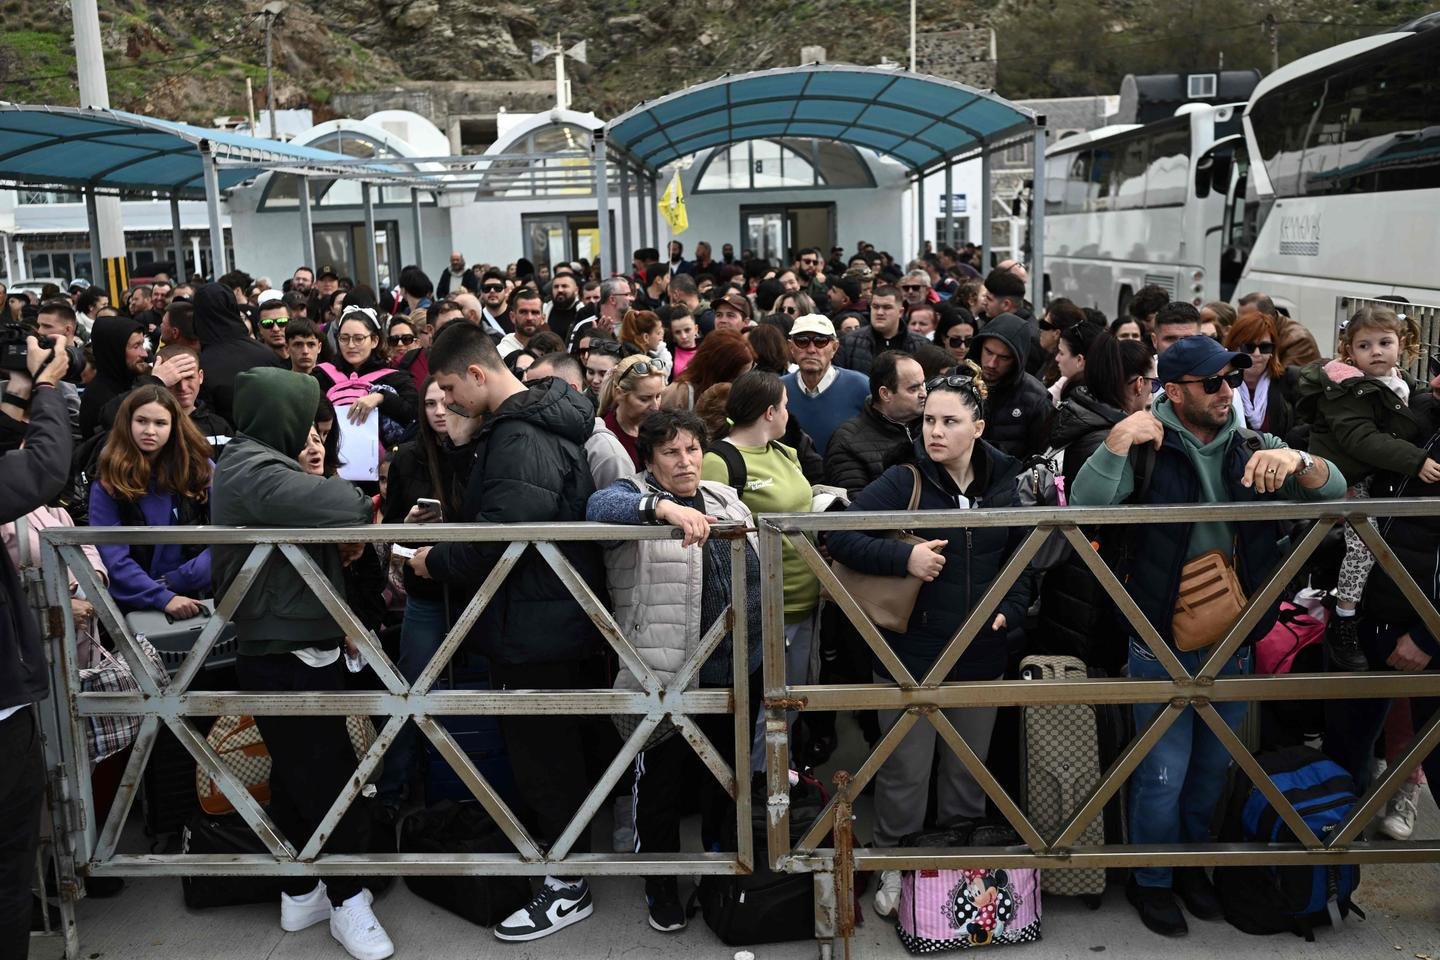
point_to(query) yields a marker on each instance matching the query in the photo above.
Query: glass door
(764, 233)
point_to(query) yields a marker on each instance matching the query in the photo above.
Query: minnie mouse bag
(959, 909)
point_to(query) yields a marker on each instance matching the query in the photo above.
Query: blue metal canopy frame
(925, 123)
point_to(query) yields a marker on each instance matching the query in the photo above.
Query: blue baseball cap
(1197, 357)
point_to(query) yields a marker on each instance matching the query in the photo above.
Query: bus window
(1101, 160)
(1056, 169)
(1167, 183)
(1127, 181)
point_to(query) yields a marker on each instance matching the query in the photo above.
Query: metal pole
(195, 262)
(985, 210)
(95, 262)
(625, 210)
(949, 205)
(415, 224)
(22, 269)
(599, 151)
(1037, 222)
(10, 272)
(912, 35)
(655, 212)
(919, 214)
(371, 263)
(307, 233)
(177, 237)
(218, 267)
(269, 72)
(95, 92)
(640, 179)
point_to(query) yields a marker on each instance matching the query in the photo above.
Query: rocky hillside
(189, 59)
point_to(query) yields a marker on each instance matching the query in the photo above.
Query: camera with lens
(13, 351)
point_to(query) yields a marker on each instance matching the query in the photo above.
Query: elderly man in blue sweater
(821, 395)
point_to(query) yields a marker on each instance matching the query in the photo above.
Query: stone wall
(961, 55)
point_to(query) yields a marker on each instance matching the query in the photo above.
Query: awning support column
(599, 151)
(371, 263)
(177, 237)
(218, 266)
(655, 215)
(985, 211)
(307, 233)
(1037, 222)
(415, 225)
(949, 240)
(919, 214)
(640, 194)
(97, 265)
(625, 247)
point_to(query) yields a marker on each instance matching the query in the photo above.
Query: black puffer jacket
(528, 466)
(1017, 409)
(1075, 613)
(860, 448)
(973, 558)
(226, 349)
(409, 481)
(859, 348)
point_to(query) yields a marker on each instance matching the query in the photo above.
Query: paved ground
(149, 920)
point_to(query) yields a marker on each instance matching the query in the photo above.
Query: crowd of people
(690, 392)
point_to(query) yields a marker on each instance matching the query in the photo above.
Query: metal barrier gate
(168, 701)
(90, 848)
(922, 699)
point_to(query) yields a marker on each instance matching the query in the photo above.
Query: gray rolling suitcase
(1060, 766)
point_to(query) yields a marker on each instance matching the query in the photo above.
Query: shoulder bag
(888, 601)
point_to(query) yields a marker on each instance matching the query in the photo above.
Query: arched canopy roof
(921, 121)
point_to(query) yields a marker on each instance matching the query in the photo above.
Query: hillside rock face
(437, 39)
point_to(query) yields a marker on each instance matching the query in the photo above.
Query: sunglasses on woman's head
(1212, 384)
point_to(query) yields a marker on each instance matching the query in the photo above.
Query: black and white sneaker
(554, 908)
(666, 912)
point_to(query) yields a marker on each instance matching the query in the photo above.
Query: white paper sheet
(359, 445)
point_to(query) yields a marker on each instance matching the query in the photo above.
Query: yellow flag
(672, 206)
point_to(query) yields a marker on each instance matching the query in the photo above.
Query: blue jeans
(421, 633)
(1174, 791)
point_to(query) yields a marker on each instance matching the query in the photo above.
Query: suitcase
(482, 742)
(1061, 766)
(463, 828)
(963, 909)
(167, 793)
(175, 638)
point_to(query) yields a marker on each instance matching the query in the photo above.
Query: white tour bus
(1340, 193)
(1129, 206)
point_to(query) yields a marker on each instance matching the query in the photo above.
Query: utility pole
(912, 36)
(1273, 29)
(271, 12)
(95, 92)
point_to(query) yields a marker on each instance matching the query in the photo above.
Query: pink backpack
(960, 909)
(349, 387)
(1293, 631)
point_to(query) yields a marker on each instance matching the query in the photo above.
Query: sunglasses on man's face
(400, 339)
(1212, 384)
(811, 340)
(912, 287)
(493, 287)
(269, 322)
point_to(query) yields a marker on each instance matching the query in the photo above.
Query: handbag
(888, 601)
(238, 742)
(1209, 602)
(105, 734)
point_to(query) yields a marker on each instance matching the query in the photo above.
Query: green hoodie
(259, 483)
(1107, 478)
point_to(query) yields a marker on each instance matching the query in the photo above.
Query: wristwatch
(1307, 463)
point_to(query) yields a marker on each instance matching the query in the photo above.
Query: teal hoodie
(1108, 479)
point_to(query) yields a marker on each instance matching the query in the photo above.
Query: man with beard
(561, 312)
(495, 316)
(529, 316)
(808, 267)
(456, 278)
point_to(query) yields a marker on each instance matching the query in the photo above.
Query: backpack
(1040, 486)
(1297, 899)
(734, 460)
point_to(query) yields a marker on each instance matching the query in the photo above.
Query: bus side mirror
(1204, 175)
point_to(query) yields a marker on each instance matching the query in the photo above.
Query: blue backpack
(1267, 900)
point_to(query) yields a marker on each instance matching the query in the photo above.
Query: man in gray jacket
(289, 642)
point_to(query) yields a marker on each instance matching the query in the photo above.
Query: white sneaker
(554, 908)
(1399, 820)
(354, 927)
(301, 913)
(622, 840)
(887, 897)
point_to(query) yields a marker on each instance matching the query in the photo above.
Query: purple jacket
(133, 586)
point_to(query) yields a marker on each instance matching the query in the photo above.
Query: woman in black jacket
(955, 469)
(359, 381)
(1075, 614)
(421, 469)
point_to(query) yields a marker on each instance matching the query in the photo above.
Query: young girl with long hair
(154, 471)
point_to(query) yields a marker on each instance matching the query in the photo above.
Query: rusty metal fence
(922, 699)
(88, 848)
